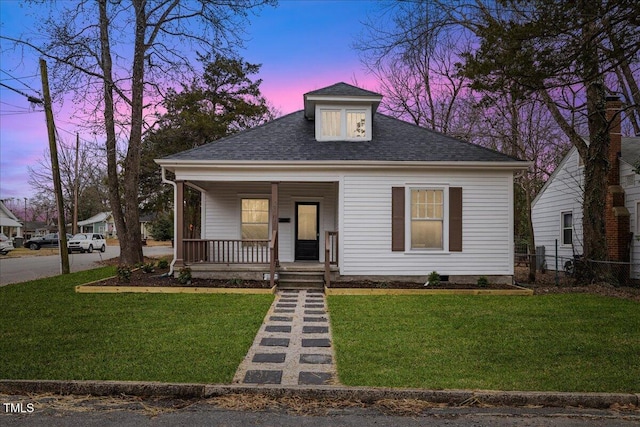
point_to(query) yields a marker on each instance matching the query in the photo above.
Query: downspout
(175, 219)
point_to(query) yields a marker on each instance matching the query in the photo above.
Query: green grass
(565, 342)
(47, 331)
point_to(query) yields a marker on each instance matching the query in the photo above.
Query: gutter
(175, 219)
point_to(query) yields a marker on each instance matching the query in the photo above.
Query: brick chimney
(616, 215)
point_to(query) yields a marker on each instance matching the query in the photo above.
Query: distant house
(102, 223)
(9, 224)
(557, 210)
(353, 192)
(145, 221)
(38, 228)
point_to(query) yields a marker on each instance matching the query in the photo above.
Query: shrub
(124, 273)
(184, 276)
(482, 282)
(236, 281)
(162, 228)
(148, 267)
(433, 279)
(163, 263)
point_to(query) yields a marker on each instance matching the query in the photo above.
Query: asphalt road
(95, 411)
(14, 270)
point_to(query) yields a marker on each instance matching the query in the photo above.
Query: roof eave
(347, 164)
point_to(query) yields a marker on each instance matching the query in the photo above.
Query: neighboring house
(557, 210)
(37, 228)
(145, 222)
(100, 223)
(9, 224)
(337, 183)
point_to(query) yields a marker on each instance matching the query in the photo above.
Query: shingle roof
(342, 89)
(292, 138)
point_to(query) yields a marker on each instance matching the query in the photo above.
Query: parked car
(87, 242)
(5, 244)
(50, 240)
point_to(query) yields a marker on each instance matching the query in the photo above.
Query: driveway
(14, 270)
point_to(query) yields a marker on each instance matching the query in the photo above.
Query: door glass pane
(307, 222)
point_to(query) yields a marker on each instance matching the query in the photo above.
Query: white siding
(631, 200)
(563, 193)
(222, 207)
(487, 225)
(358, 204)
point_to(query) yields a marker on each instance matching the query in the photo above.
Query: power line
(19, 79)
(30, 98)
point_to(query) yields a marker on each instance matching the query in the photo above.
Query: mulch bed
(545, 283)
(411, 285)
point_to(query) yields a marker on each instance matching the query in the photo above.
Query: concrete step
(300, 280)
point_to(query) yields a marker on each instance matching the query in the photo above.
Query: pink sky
(302, 46)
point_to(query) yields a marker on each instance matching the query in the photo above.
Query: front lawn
(47, 331)
(569, 342)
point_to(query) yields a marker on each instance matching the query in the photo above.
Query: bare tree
(117, 58)
(560, 52)
(415, 60)
(92, 185)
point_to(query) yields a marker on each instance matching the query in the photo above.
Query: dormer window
(341, 112)
(343, 124)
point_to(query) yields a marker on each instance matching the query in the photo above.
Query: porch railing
(330, 254)
(273, 257)
(226, 251)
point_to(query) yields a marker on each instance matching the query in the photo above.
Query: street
(52, 410)
(14, 270)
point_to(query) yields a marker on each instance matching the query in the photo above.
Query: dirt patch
(546, 284)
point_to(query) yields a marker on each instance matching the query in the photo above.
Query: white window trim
(445, 219)
(573, 232)
(344, 109)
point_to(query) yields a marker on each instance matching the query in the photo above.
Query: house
(99, 223)
(145, 225)
(557, 210)
(344, 189)
(9, 224)
(38, 228)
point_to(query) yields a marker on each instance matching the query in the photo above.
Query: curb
(363, 394)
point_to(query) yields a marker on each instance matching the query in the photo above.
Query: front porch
(258, 230)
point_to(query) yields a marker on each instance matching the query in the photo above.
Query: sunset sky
(302, 46)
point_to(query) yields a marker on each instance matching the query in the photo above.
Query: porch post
(275, 215)
(179, 231)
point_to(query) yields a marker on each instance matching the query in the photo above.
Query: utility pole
(75, 188)
(55, 169)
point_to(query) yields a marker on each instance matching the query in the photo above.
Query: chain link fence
(569, 271)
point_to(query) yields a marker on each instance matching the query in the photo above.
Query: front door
(307, 233)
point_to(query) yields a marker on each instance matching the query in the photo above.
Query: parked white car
(5, 244)
(87, 242)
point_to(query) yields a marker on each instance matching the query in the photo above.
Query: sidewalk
(293, 345)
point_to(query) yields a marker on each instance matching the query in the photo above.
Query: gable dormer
(342, 112)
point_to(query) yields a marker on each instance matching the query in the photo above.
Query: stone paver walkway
(293, 345)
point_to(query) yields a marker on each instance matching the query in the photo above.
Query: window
(427, 219)
(567, 228)
(255, 219)
(334, 124)
(356, 125)
(331, 126)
